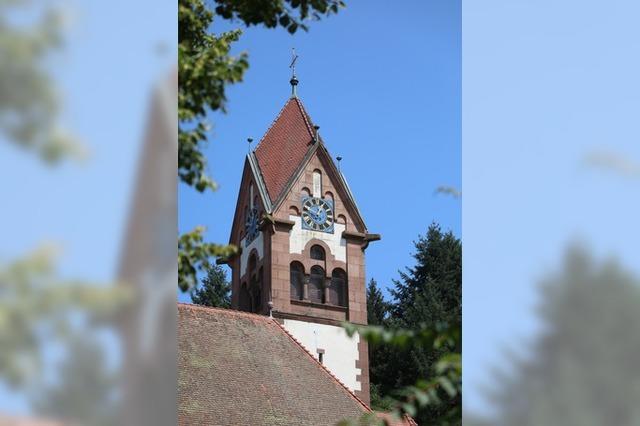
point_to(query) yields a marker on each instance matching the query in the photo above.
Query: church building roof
(237, 368)
(283, 152)
(284, 146)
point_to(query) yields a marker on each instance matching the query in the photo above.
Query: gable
(334, 186)
(284, 156)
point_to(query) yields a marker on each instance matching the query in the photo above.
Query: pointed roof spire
(284, 146)
(294, 80)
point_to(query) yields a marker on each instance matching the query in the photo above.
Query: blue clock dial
(317, 214)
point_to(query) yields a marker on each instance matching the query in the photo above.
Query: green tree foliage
(431, 291)
(290, 14)
(581, 369)
(215, 290)
(29, 102)
(414, 370)
(37, 309)
(377, 308)
(205, 68)
(85, 389)
(437, 391)
(194, 254)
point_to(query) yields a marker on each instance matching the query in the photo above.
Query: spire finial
(294, 80)
(339, 158)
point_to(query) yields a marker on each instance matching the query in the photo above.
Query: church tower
(302, 245)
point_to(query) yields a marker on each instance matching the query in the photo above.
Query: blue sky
(105, 74)
(384, 85)
(547, 84)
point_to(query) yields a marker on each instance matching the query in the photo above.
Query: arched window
(252, 264)
(328, 195)
(253, 290)
(297, 283)
(316, 284)
(305, 192)
(341, 219)
(317, 183)
(244, 298)
(256, 292)
(338, 288)
(317, 252)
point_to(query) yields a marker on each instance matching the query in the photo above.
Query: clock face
(317, 214)
(251, 227)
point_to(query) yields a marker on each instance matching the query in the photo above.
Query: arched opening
(317, 252)
(245, 304)
(341, 219)
(254, 290)
(305, 192)
(253, 261)
(316, 284)
(297, 280)
(338, 288)
(317, 183)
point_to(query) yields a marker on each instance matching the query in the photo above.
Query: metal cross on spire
(294, 80)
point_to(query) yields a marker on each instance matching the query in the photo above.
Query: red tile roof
(284, 146)
(237, 368)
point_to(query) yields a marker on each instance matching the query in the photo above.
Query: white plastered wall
(298, 239)
(244, 256)
(340, 350)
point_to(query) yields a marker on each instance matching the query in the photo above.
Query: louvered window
(316, 285)
(297, 283)
(338, 288)
(317, 252)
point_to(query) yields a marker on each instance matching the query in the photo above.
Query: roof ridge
(226, 311)
(305, 115)
(319, 364)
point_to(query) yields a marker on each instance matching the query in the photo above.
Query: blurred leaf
(29, 102)
(194, 255)
(36, 308)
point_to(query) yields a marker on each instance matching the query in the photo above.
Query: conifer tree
(377, 308)
(215, 290)
(428, 295)
(582, 367)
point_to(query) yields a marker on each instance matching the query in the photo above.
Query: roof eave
(342, 179)
(262, 188)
